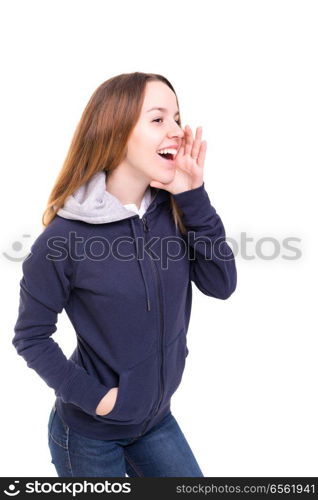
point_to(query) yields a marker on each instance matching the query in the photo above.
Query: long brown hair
(99, 141)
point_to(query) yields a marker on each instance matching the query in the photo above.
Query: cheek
(146, 139)
(142, 152)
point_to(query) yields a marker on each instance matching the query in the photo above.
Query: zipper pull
(144, 220)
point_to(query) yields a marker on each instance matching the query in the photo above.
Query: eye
(156, 120)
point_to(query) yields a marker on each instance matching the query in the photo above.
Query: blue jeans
(163, 451)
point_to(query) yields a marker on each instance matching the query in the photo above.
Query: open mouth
(166, 156)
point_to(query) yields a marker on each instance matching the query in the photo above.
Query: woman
(128, 226)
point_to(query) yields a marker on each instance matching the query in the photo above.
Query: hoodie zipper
(153, 263)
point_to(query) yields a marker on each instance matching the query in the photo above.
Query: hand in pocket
(107, 403)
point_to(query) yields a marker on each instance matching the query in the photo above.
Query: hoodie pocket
(137, 393)
(175, 353)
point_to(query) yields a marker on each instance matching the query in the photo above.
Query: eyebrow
(162, 109)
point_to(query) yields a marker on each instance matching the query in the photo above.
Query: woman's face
(155, 129)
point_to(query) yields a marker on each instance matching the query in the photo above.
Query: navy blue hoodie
(125, 283)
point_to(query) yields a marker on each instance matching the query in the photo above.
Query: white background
(246, 71)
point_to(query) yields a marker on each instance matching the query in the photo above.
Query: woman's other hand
(106, 404)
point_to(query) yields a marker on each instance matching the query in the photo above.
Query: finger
(197, 144)
(202, 152)
(188, 140)
(181, 149)
(156, 184)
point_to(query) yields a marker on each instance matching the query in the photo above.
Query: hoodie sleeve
(212, 263)
(45, 288)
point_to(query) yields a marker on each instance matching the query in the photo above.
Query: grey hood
(92, 203)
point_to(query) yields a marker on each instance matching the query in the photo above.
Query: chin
(164, 177)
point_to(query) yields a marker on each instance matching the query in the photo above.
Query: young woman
(128, 227)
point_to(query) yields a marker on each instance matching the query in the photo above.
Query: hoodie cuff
(196, 207)
(84, 391)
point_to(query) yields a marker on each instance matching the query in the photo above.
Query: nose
(176, 131)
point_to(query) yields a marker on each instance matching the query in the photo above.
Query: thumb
(156, 184)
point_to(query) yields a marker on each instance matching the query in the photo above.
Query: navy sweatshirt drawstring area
(140, 265)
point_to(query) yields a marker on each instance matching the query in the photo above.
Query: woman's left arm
(212, 266)
(212, 263)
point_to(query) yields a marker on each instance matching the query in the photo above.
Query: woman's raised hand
(189, 164)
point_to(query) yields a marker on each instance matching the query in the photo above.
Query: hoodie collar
(92, 203)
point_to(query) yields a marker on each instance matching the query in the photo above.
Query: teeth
(171, 151)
